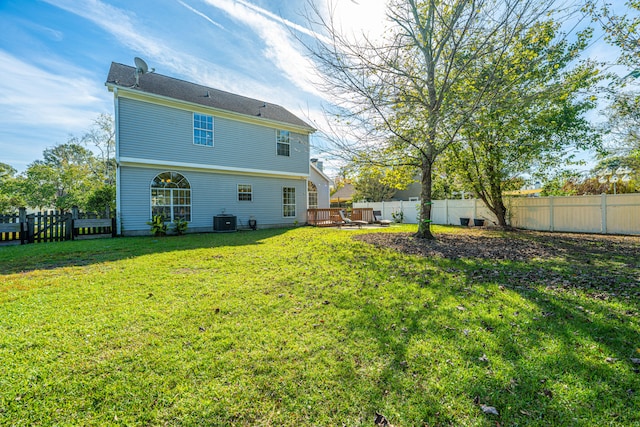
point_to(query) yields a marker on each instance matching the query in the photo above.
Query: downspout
(117, 130)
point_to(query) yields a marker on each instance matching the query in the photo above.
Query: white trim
(116, 108)
(151, 188)
(133, 161)
(295, 202)
(288, 143)
(126, 92)
(193, 131)
(238, 193)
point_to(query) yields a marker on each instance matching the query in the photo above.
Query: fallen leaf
(611, 360)
(461, 308)
(483, 358)
(636, 361)
(382, 421)
(489, 410)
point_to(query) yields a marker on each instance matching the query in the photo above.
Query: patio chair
(349, 221)
(377, 218)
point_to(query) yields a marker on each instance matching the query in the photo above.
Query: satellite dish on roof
(141, 68)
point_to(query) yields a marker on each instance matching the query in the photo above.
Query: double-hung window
(202, 130)
(288, 202)
(283, 144)
(245, 193)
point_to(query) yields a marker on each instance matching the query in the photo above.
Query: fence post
(475, 208)
(603, 215)
(446, 212)
(22, 219)
(551, 214)
(31, 218)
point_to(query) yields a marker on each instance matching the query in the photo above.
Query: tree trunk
(498, 208)
(500, 212)
(424, 223)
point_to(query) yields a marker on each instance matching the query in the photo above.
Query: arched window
(312, 191)
(171, 196)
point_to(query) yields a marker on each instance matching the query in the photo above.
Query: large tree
(62, 179)
(622, 30)
(394, 95)
(10, 195)
(534, 119)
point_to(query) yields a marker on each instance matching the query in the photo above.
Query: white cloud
(281, 48)
(32, 95)
(197, 12)
(159, 51)
(356, 18)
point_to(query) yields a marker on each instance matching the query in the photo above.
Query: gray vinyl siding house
(189, 151)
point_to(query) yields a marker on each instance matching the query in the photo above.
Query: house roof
(343, 194)
(123, 76)
(320, 172)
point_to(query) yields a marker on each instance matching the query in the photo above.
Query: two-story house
(189, 151)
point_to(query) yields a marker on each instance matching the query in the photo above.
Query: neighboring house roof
(123, 76)
(534, 192)
(344, 194)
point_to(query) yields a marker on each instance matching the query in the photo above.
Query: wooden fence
(328, 217)
(53, 226)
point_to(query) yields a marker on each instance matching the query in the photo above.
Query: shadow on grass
(49, 256)
(560, 355)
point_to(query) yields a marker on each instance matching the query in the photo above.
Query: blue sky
(55, 55)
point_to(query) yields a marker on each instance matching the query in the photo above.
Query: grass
(308, 327)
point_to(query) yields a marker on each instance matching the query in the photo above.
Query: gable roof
(320, 172)
(123, 76)
(344, 194)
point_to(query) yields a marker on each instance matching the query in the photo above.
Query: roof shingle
(124, 76)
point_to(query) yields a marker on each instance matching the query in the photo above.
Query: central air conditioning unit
(224, 223)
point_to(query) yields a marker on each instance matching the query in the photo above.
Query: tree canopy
(404, 99)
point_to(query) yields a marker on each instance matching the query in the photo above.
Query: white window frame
(171, 191)
(312, 195)
(250, 192)
(207, 134)
(283, 138)
(287, 205)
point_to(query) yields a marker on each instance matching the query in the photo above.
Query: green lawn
(309, 327)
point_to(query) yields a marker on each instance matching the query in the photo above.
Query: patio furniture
(377, 218)
(348, 221)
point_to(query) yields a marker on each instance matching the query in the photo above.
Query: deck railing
(328, 217)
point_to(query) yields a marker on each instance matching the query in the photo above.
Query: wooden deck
(330, 217)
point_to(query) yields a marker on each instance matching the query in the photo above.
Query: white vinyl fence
(606, 214)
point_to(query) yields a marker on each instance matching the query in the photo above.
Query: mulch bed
(515, 246)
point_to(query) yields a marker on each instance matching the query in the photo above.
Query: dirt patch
(514, 246)
(602, 266)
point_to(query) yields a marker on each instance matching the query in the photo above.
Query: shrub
(158, 226)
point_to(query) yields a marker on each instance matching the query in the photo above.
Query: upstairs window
(202, 130)
(245, 193)
(283, 145)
